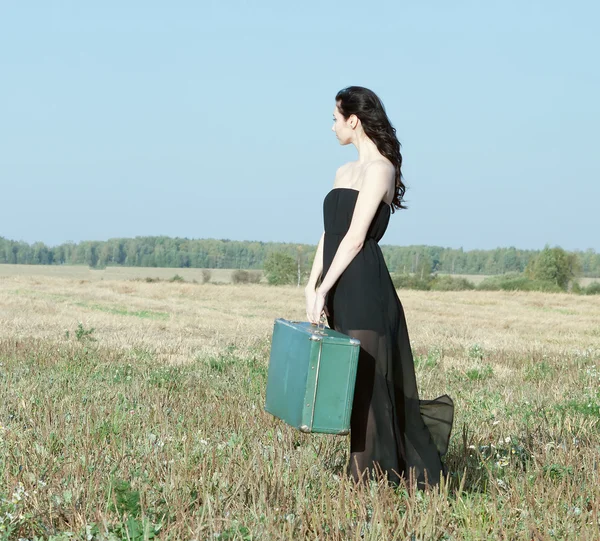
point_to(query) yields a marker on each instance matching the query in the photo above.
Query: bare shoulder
(342, 174)
(380, 173)
(343, 169)
(379, 179)
(380, 168)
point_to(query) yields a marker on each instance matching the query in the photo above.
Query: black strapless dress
(392, 431)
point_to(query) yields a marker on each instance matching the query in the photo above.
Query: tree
(104, 257)
(424, 267)
(554, 265)
(280, 268)
(300, 263)
(91, 257)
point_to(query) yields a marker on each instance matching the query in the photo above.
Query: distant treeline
(229, 254)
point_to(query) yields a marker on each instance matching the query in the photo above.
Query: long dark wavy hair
(366, 105)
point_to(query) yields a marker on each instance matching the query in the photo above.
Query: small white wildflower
(496, 422)
(507, 440)
(19, 493)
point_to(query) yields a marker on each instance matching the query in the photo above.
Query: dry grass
(155, 418)
(478, 278)
(221, 276)
(83, 272)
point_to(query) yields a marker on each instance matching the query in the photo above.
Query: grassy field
(134, 410)
(83, 272)
(478, 278)
(222, 276)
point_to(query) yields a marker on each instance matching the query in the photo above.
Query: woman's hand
(315, 306)
(310, 295)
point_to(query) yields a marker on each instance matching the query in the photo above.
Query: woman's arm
(310, 289)
(317, 267)
(375, 185)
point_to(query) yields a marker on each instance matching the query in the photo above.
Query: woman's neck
(367, 149)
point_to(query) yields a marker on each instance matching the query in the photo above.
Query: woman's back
(351, 175)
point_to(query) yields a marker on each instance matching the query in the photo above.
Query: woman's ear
(353, 121)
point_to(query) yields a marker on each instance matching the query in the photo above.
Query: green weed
(480, 374)
(538, 371)
(429, 360)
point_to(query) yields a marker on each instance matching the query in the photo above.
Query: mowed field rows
(134, 410)
(219, 276)
(83, 272)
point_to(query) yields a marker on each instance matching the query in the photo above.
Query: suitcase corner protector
(305, 429)
(354, 342)
(343, 432)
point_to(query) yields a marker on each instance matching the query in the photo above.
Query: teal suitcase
(312, 372)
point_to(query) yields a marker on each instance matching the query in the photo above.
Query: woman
(392, 432)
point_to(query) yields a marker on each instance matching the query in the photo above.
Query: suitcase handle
(319, 328)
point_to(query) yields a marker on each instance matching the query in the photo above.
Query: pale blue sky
(213, 119)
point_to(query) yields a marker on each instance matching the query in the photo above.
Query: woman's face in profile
(342, 130)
